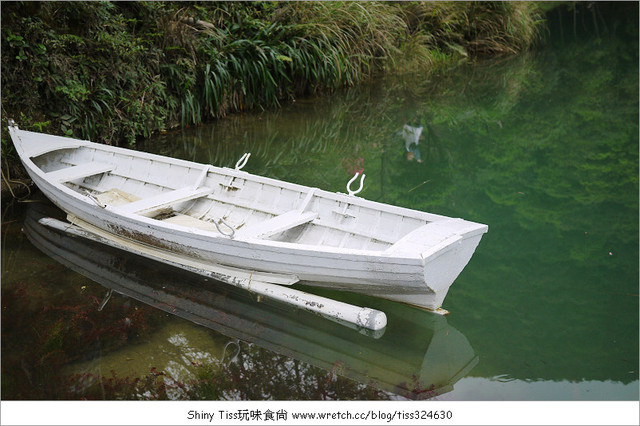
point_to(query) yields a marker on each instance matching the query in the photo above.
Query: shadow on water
(419, 355)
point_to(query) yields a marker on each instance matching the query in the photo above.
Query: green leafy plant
(117, 72)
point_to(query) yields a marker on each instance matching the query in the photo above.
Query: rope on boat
(225, 223)
(95, 200)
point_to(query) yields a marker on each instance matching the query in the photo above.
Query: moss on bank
(115, 72)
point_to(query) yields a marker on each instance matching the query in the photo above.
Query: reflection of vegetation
(43, 330)
(557, 181)
(256, 374)
(581, 152)
(361, 127)
(288, 379)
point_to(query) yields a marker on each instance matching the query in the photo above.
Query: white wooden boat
(190, 211)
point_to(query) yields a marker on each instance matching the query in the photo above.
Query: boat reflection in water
(417, 356)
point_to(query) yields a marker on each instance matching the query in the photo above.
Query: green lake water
(542, 147)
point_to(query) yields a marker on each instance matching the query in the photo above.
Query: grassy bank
(116, 72)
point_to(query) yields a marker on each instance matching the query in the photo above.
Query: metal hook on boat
(224, 222)
(243, 160)
(352, 192)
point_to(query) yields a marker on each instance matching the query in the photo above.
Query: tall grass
(116, 72)
(476, 28)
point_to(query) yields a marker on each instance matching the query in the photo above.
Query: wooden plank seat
(80, 171)
(147, 206)
(276, 224)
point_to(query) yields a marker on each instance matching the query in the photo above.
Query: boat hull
(415, 278)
